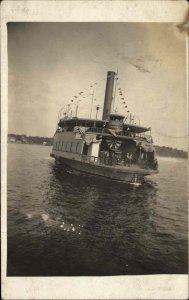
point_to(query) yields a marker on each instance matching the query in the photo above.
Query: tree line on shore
(171, 152)
(23, 139)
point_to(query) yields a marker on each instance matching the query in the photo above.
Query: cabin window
(77, 146)
(66, 146)
(71, 146)
(85, 149)
(62, 146)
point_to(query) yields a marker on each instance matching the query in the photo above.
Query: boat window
(72, 149)
(62, 145)
(68, 147)
(77, 146)
(85, 149)
(71, 146)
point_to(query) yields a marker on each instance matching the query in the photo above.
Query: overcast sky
(50, 63)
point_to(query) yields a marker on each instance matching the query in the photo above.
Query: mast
(92, 103)
(108, 94)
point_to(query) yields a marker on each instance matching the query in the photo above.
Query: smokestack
(108, 94)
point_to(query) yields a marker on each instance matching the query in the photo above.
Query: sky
(50, 63)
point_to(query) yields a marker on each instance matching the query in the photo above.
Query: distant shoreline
(161, 151)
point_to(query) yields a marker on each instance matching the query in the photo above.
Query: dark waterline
(64, 223)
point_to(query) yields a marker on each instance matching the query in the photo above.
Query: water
(64, 223)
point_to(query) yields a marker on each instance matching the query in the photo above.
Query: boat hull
(126, 174)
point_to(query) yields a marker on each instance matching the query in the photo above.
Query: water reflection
(65, 223)
(75, 191)
(109, 218)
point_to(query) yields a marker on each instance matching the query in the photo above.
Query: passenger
(103, 157)
(130, 159)
(125, 160)
(111, 159)
(100, 158)
(106, 158)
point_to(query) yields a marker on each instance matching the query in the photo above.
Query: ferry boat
(113, 147)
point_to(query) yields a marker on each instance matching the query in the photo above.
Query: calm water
(63, 223)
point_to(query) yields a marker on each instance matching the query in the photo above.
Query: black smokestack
(108, 94)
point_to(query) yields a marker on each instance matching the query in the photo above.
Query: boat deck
(132, 168)
(121, 166)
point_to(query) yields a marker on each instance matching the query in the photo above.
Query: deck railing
(107, 161)
(144, 136)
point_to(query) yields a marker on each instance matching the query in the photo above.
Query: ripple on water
(64, 223)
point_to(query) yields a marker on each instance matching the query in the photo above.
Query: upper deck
(99, 125)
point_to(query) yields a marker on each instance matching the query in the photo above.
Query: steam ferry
(112, 147)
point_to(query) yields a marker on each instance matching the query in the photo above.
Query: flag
(113, 144)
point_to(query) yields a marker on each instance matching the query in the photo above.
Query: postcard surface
(94, 150)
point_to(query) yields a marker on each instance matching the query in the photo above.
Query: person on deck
(128, 159)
